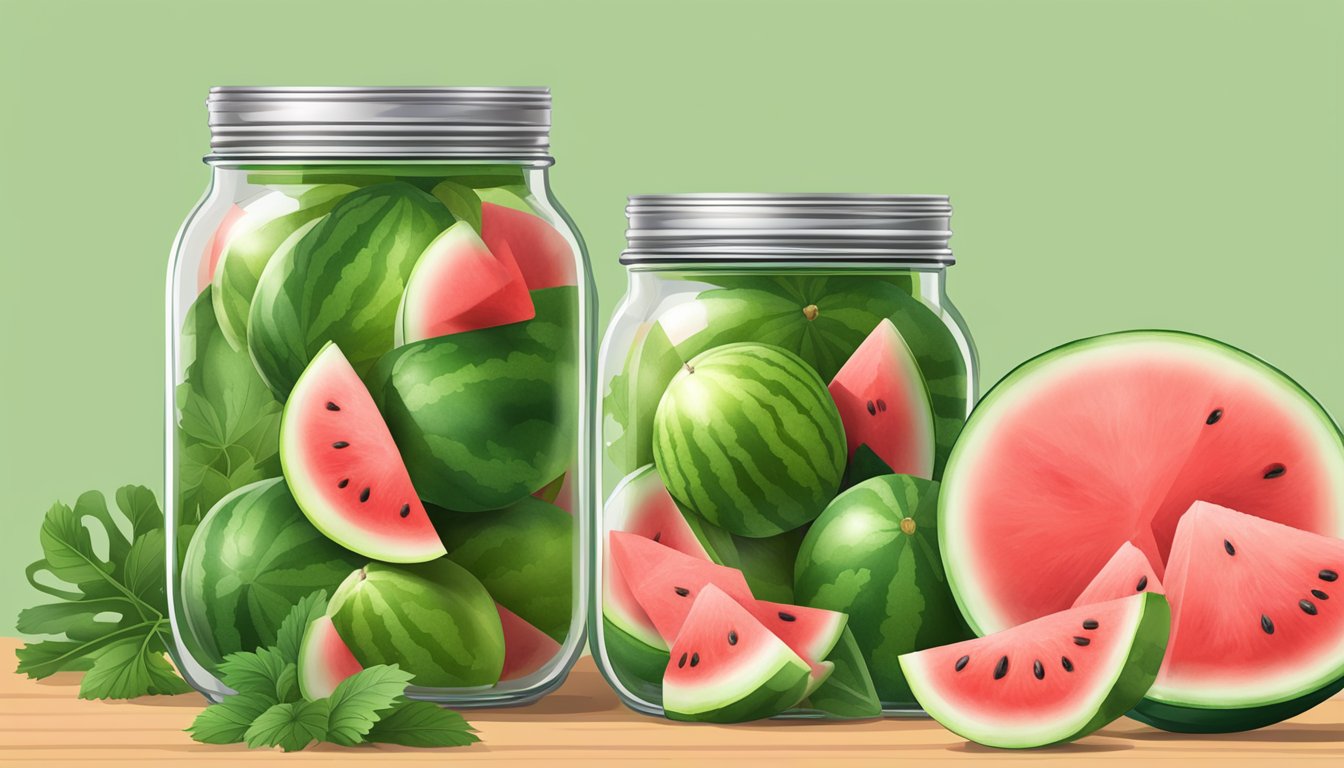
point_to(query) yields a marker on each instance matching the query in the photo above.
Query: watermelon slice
(885, 405)
(809, 632)
(459, 285)
(526, 648)
(540, 250)
(324, 660)
(1051, 680)
(344, 470)
(665, 582)
(726, 667)
(1128, 571)
(1257, 624)
(1111, 439)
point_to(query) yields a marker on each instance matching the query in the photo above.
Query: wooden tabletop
(42, 723)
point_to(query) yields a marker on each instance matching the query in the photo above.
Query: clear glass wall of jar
(771, 352)
(379, 319)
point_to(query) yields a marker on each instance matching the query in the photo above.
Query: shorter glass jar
(721, 440)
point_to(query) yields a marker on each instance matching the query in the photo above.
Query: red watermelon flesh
(559, 491)
(1109, 440)
(665, 582)
(1257, 611)
(324, 660)
(1128, 571)
(344, 470)
(542, 253)
(215, 247)
(526, 648)
(885, 404)
(810, 632)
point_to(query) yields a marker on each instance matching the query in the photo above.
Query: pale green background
(1113, 165)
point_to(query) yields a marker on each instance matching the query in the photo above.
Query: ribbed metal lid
(315, 123)
(696, 228)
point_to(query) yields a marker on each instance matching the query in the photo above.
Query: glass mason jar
(771, 352)
(378, 321)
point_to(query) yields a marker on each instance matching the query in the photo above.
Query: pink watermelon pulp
(1051, 680)
(1109, 440)
(885, 404)
(526, 648)
(809, 632)
(1127, 572)
(459, 284)
(215, 247)
(324, 660)
(726, 667)
(541, 252)
(344, 470)
(665, 581)
(1256, 636)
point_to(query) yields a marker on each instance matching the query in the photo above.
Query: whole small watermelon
(747, 436)
(873, 554)
(253, 556)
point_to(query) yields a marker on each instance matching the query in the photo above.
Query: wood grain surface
(42, 723)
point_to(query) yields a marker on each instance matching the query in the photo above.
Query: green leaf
(290, 726)
(227, 722)
(422, 724)
(290, 634)
(461, 201)
(358, 700)
(264, 672)
(130, 669)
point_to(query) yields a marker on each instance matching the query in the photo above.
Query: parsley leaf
(358, 700)
(422, 724)
(227, 722)
(290, 726)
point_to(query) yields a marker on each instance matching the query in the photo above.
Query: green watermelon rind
(1179, 718)
(848, 694)
(1124, 687)
(637, 665)
(775, 684)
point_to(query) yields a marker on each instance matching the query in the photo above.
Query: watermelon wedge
(1127, 572)
(1257, 624)
(665, 582)
(884, 403)
(324, 660)
(540, 250)
(726, 667)
(526, 648)
(809, 632)
(459, 284)
(1048, 681)
(344, 469)
(1110, 440)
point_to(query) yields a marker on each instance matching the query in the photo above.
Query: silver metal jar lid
(702, 228)
(269, 124)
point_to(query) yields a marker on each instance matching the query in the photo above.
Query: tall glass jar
(378, 322)
(780, 390)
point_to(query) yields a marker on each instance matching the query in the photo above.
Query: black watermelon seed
(1081, 641)
(1319, 595)
(1307, 607)
(1001, 668)
(732, 637)
(682, 591)
(1214, 417)
(405, 510)
(1142, 585)
(1266, 624)
(1090, 624)
(962, 662)
(1275, 470)
(332, 406)
(1064, 662)
(1227, 545)
(882, 405)
(344, 482)
(695, 659)
(787, 616)
(339, 444)
(1328, 575)
(1038, 669)
(872, 409)
(682, 661)
(657, 536)
(364, 495)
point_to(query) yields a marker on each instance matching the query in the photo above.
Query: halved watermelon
(1127, 572)
(885, 404)
(526, 648)
(1051, 680)
(1111, 439)
(542, 253)
(665, 582)
(344, 470)
(726, 667)
(324, 660)
(1256, 636)
(459, 284)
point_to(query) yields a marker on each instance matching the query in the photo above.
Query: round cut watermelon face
(1127, 572)
(324, 660)
(726, 667)
(1051, 680)
(1111, 439)
(344, 469)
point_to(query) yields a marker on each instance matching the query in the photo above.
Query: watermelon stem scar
(811, 312)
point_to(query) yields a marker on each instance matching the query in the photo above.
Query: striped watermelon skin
(433, 619)
(342, 282)
(249, 561)
(747, 436)
(486, 417)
